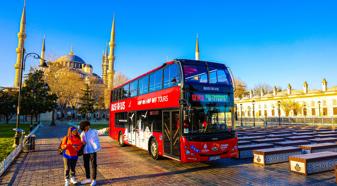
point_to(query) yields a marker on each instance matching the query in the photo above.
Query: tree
(119, 78)
(264, 87)
(66, 84)
(8, 102)
(290, 105)
(86, 101)
(240, 88)
(36, 96)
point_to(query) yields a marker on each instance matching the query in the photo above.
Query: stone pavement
(132, 166)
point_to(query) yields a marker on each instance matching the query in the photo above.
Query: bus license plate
(212, 158)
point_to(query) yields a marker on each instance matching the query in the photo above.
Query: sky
(262, 41)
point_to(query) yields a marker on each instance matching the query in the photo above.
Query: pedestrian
(70, 145)
(92, 145)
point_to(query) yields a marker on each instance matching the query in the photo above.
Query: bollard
(32, 142)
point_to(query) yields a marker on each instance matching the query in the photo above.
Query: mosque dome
(71, 57)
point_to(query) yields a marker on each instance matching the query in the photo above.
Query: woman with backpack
(70, 146)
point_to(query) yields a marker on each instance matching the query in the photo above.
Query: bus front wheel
(154, 149)
(121, 140)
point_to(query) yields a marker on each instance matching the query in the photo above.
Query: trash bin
(26, 144)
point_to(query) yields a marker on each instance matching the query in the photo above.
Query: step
(319, 147)
(326, 135)
(268, 140)
(274, 155)
(242, 142)
(294, 137)
(246, 151)
(327, 132)
(292, 143)
(313, 163)
(279, 135)
(305, 134)
(250, 138)
(323, 140)
(282, 132)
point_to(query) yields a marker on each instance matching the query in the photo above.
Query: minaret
(105, 64)
(43, 50)
(197, 55)
(21, 46)
(111, 57)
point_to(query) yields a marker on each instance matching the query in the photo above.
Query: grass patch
(99, 126)
(7, 138)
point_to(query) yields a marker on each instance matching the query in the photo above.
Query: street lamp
(253, 102)
(241, 114)
(279, 112)
(25, 56)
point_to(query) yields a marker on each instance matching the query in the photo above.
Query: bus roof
(184, 61)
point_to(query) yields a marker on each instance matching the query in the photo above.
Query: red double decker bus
(181, 110)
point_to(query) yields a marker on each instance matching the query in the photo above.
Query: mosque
(71, 60)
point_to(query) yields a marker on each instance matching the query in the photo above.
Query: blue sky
(273, 42)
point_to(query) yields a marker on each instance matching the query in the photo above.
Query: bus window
(195, 73)
(144, 85)
(171, 75)
(121, 119)
(218, 76)
(156, 80)
(154, 119)
(133, 88)
(126, 92)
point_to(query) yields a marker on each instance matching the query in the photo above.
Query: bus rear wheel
(121, 140)
(154, 149)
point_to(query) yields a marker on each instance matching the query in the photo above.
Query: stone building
(303, 103)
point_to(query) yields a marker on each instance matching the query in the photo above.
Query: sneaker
(93, 183)
(73, 180)
(66, 182)
(86, 181)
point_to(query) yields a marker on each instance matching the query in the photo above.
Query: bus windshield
(202, 74)
(207, 120)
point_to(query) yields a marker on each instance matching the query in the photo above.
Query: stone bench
(313, 163)
(274, 155)
(323, 140)
(294, 137)
(292, 143)
(246, 151)
(250, 138)
(320, 147)
(268, 140)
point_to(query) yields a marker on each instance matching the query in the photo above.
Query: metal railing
(260, 121)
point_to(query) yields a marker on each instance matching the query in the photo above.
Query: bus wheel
(154, 149)
(120, 139)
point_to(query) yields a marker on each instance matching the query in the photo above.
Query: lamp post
(279, 112)
(241, 114)
(253, 102)
(25, 56)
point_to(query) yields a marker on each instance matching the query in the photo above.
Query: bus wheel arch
(153, 148)
(121, 139)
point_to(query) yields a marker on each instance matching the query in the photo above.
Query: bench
(323, 140)
(292, 143)
(274, 155)
(250, 138)
(268, 140)
(313, 163)
(320, 147)
(300, 137)
(246, 151)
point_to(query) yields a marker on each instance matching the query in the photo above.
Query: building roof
(71, 57)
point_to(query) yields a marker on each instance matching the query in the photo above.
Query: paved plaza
(132, 166)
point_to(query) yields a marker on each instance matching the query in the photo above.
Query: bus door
(132, 122)
(171, 133)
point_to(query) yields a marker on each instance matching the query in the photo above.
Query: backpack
(59, 149)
